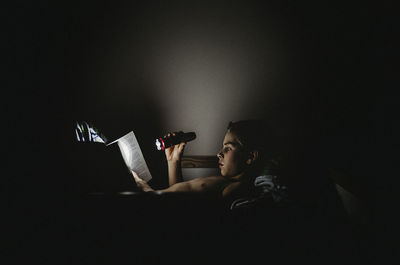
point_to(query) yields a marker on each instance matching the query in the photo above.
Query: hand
(175, 152)
(140, 182)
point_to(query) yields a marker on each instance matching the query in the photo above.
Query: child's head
(248, 145)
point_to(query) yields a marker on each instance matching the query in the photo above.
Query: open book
(132, 155)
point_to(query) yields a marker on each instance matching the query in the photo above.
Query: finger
(181, 146)
(135, 175)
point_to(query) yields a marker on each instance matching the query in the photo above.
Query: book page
(133, 156)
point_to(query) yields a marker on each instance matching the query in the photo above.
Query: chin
(222, 173)
(226, 175)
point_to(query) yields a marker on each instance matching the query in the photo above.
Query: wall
(155, 67)
(180, 66)
(159, 67)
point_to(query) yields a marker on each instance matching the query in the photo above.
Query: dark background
(64, 65)
(58, 65)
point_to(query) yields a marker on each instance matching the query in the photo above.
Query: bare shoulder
(210, 183)
(230, 189)
(210, 179)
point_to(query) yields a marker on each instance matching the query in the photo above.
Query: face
(232, 161)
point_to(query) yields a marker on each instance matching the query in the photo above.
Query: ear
(252, 157)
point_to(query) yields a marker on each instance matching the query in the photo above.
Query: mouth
(220, 165)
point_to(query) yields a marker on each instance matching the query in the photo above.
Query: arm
(198, 185)
(173, 155)
(140, 182)
(174, 172)
(194, 185)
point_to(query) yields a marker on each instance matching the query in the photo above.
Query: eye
(226, 149)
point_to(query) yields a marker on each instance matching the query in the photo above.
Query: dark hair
(255, 135)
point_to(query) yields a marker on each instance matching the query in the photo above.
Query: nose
(220, 155)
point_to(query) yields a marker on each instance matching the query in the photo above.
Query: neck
(239, 186)
(239, 177)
